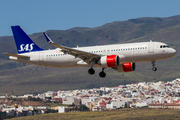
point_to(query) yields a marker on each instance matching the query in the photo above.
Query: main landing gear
(102, 74)
(153, 64)
(91, 71)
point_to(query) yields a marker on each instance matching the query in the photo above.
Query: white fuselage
(131, 52)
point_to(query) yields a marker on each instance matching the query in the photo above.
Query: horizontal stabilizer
(15, 55)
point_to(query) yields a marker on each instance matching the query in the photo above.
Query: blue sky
(41, 15)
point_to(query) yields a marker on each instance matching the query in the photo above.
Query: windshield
(164, 46)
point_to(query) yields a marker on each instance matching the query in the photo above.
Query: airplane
(121, 57)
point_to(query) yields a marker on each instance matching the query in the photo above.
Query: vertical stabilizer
(23, 42)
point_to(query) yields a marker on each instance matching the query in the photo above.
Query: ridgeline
(19, 78)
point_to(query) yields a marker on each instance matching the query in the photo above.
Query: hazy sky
(41, 15)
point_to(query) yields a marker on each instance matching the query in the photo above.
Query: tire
(102, 74)
(91, 71)
(154, 68)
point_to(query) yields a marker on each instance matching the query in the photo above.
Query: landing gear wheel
(154, 68)
(153, 64)
(102, 74)
(91, 71)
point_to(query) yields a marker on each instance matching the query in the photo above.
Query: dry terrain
(121, 114)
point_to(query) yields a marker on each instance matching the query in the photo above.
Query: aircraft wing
(15, 55)
(86, 56)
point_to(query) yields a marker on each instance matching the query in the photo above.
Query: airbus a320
(121, 57)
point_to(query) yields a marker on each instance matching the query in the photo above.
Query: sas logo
(26, 47)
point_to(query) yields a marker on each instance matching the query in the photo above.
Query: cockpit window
(164, 46)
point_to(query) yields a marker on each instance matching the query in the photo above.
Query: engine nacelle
(126, 67)
(109, 61)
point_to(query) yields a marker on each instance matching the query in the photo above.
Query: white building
(49, 93)
(115, 104)
(85, 101)
(63, 109)
(141, 104)
(68, 100)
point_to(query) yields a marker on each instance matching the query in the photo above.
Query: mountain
(19, 78)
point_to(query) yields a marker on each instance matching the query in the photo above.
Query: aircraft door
(41, 56)
(104, 52)
(151, 47)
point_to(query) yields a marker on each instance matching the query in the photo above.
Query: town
(141, 94)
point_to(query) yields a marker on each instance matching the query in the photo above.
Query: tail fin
(23, 42)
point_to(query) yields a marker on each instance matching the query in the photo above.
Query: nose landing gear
(153, 64)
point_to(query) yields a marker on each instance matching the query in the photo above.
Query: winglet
(47, 38)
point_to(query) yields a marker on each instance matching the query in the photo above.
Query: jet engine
(126, 67)
(109, 61)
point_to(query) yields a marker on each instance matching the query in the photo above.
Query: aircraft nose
(173, 52)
